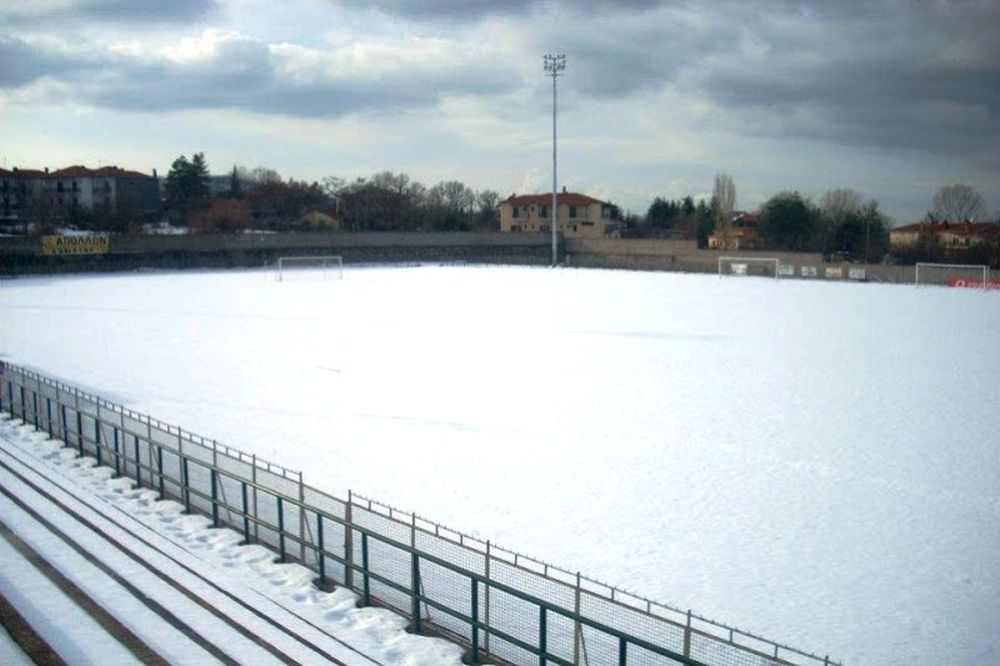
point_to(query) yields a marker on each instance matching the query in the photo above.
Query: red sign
(973, 284)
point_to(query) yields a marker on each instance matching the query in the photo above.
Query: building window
(572, 211)
(543, 211)
(517, 212)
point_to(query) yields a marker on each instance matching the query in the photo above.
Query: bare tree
(839, 204)
(723, 200)
(957, 203)
(487, 200)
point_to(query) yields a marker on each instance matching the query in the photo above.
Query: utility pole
(554, 66)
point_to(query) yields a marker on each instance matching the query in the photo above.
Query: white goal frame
(965, 267)
(767, 260)
(323, 262)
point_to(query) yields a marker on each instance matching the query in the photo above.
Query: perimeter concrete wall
(684, 256)
(21, 255)
(131, 252)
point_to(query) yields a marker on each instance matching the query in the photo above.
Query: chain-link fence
(502, 606)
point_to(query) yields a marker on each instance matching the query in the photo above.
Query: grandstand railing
(503, 606)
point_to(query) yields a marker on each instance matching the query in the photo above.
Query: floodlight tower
(554, 66)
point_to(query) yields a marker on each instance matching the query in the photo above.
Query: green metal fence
(502, 606)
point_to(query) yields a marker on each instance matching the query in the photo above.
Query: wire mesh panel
(48, 412)
(331, 533)
(446, 586)
(384, 560)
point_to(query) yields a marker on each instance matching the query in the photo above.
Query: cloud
(919, 76)
(45, 13)
(470, 10)
(891, 74)
(223, 69)
(22, 63)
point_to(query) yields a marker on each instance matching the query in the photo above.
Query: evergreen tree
(789, 222)
(235, 189)
(187, 180)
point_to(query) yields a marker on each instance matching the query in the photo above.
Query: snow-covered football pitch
(815, 462)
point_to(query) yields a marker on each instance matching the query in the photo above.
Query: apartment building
(31, 194)
(577, 215)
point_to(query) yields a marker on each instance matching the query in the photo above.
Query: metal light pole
(554, 65)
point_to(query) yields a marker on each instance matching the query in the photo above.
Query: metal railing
(501, 605)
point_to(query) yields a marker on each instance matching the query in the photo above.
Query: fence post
(185, 487)
(319, 554)
(475, 621)
(543, 636)
(138, 463)
(256, 507)
(415, 591)
(302, 520)
(62, 424)
(159, 468)
(622, 651)
(364, 569)
(97, 434)
(687, 635)
(48, 414)
(213, 475)
(149, 449)
(246, 515)
(118, 462)
(34, 407)
(24, 414)
(79, 422)
(281, 529)
(577, 629)
(486, 622)
(349, 543)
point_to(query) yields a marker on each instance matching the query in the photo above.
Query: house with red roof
(743, 233)
(949, 236)
(577, 215)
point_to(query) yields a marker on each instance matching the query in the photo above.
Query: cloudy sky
(891, 97)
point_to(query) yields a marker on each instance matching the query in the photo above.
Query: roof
(568, 198)
(78, 171)
(22, 173)
(959, 228)
(743, 219)
(75, 171)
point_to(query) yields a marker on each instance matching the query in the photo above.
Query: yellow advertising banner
(75, 245)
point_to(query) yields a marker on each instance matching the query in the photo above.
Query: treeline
(842, 223)
(260, 199)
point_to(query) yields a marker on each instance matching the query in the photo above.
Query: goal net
(759, 266)
(975, 276)
(310, 268)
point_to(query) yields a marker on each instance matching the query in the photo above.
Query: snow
(814, 462)
(178, 546)
(10, 652)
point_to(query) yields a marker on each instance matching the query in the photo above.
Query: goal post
(760, 266)
(974, 276)
(323, 267)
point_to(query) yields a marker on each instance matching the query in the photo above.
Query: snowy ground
(815, 462)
